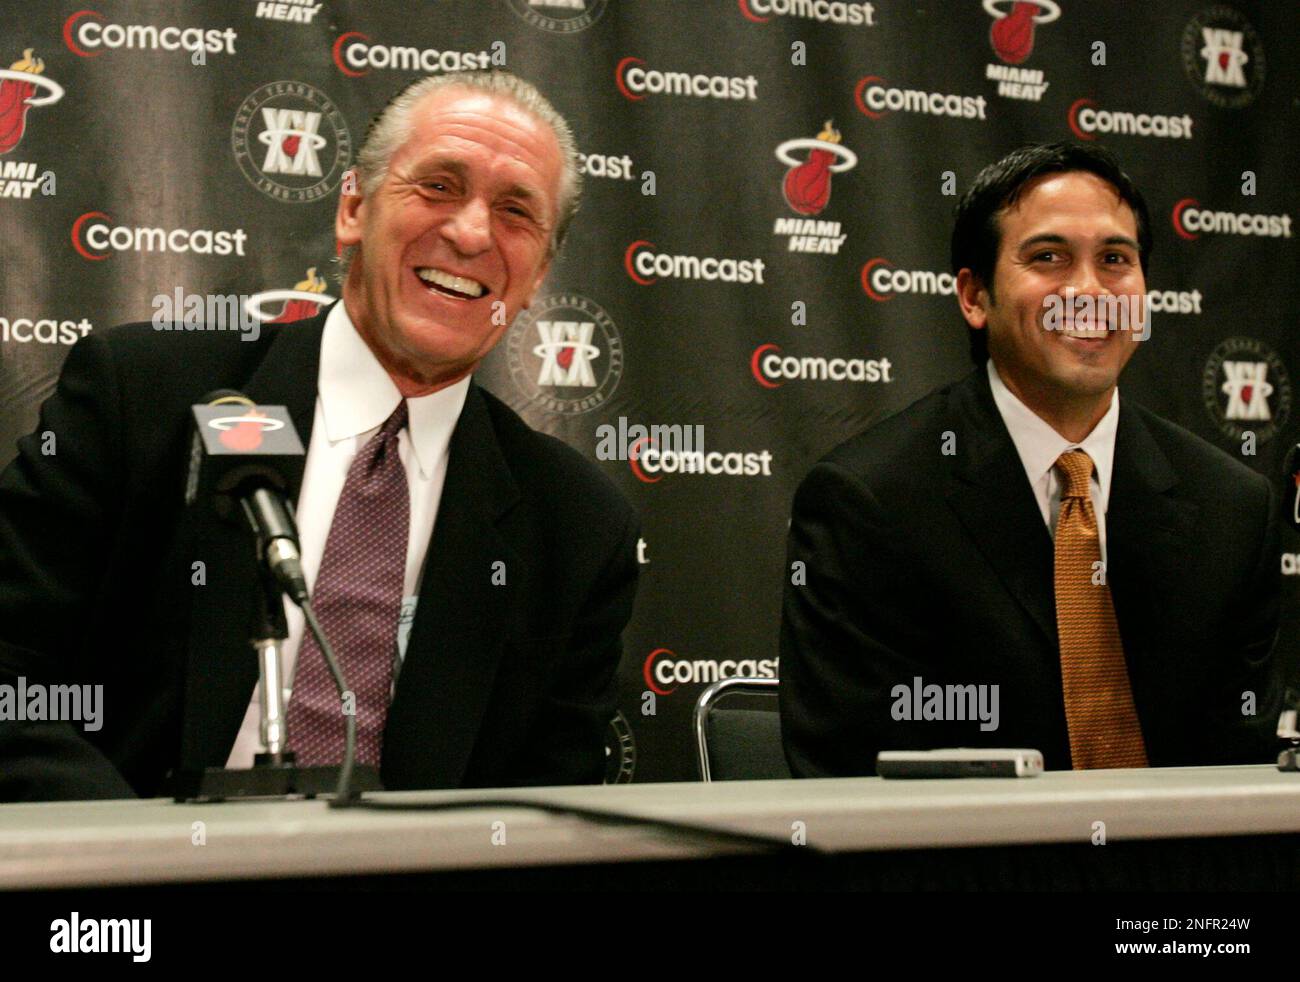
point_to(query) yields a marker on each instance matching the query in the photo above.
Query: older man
(1023, 558)
(474, 575)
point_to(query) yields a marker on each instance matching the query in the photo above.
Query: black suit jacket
(922, 564)
(501, 685)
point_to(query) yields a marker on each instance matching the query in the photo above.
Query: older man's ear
(349, 217)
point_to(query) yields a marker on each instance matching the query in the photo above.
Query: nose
(1086, 280)
(469, 227)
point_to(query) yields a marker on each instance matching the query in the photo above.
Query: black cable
(345, 795)
(765, 843)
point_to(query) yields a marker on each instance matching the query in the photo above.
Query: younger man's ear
(973, 299)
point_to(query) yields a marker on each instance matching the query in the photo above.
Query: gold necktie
(1103, 722)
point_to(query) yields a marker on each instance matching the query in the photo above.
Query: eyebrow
(1048, 238)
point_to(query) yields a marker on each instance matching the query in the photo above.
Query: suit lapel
(1147, 529)
(221, 668)
(462, 618)
(994, 502)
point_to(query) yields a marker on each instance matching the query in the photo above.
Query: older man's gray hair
(391, 127)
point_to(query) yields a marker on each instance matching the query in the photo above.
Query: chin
(1092, 383)
(429, 336)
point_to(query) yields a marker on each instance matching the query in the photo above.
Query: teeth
(1085, 332)
(460, 284)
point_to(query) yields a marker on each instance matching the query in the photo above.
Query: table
(883, 826)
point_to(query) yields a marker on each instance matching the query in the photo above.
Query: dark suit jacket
(501, 685)
(940, 566)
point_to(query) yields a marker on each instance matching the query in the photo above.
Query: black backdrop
(127, 126)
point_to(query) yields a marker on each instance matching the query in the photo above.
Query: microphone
(1291, 498)
(238, 456)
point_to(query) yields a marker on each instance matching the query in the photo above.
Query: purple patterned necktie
(358, 600)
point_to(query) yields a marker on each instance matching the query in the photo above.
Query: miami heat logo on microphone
(810, 164)
(243, 434)
(22, 86)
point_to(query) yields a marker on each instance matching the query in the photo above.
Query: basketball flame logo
(244, 435)
(807, 184)
(808, 187)
(300, 308)
(18, 87)
(1012, 33)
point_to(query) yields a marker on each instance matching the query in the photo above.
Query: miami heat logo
(1012, 33)
(303, 301)
(243, 434)
(18, 93)
(807, 184)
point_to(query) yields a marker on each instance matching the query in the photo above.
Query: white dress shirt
(1039, 447)
(354, 397)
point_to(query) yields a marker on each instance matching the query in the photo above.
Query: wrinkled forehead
(473, 126)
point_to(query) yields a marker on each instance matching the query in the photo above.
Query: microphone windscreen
(237, 445)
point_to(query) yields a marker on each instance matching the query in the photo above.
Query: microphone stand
(274, 772)
(269, 634)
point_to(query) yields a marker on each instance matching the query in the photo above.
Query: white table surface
(152, 841)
